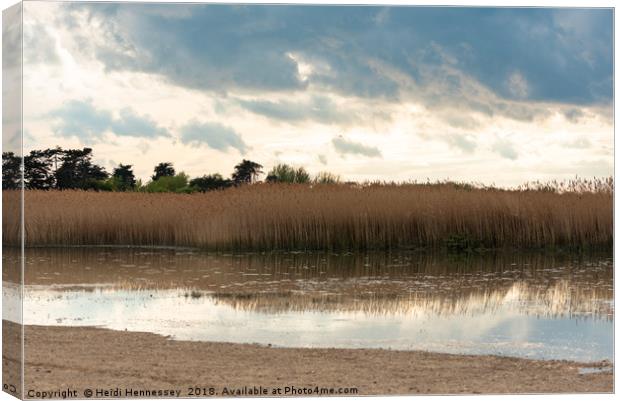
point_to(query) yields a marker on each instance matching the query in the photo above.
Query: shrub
(286, 174)
(176, 183)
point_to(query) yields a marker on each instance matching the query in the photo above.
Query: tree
(40, 168)
(325, 177)
(124, 179)
(163, 170)
(78, 172)
(288, 174)
(176, 183)
(210, 182)
(246, 172)
(11, 174)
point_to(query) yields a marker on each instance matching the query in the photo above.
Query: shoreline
(441, 248)
(88, 357)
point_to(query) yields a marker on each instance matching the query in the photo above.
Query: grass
(338, 217)
(193, 294)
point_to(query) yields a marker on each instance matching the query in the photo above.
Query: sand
(75, 359)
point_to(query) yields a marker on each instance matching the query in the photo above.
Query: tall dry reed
(353, 217)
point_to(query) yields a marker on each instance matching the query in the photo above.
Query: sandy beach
(110, 363)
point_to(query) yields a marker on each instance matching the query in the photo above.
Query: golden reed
(298, 217)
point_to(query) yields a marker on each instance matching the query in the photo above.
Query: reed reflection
(404, 283)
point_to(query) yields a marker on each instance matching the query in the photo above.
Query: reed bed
(330, 217)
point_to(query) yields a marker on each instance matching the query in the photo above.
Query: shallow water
(527, 305)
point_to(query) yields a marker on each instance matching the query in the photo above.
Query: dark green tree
(246, 172)
(40, 168)
(210, 182)
(11, 175)
(124, 178)
(288, 174)
(77, 170)
(325, 177)
(163, 170)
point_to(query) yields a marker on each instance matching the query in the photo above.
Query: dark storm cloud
(541, 54)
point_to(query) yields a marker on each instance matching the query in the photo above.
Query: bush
(288, 174)
(176, 183)
(210, 183)
(325, 177)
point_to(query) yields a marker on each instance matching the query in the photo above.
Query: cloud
(595, 168)
(517, 85)
(340, 71)
(382, 16)
(459, 119)
(143, 146)
(214, 135)
(464, 142)
(344, 146)
(131, 124)
(574, 115)
(39, 45)
(505, 149)
(318, 108)
(322, 159)
(12, 79)
(196, 47)
(83, 120)
(586, 168)
(12, 39)
(579, 143)
(566, 54)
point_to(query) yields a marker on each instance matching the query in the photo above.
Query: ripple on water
(530, 305)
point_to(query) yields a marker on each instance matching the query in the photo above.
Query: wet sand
(61, 358)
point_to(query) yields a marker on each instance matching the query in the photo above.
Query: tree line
(63, 169)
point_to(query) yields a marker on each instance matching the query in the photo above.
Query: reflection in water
(551, 300)
(533, 305)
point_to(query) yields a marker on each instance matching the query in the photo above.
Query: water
(526, 305)
(591, 371)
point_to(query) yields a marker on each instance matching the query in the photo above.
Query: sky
(488, 95)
